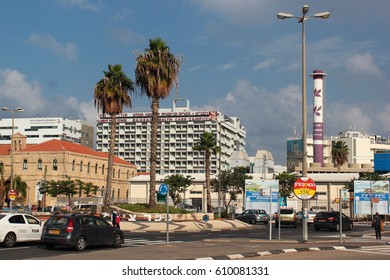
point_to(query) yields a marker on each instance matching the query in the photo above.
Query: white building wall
(179, 130)
(39, 130)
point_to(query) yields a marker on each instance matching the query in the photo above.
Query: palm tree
(340, 152)
(156, 73)
(20, 186)
(207, 144)
(111, 94)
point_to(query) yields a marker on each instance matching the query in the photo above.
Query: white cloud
(16, 89)
(69, 50)
(125, 36)
(264, 64)
(363, 64)
(226, 67)
(81, 4)
(196, 68)
(383, 117)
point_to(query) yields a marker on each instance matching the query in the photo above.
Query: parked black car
(331, 220)
(80, 231)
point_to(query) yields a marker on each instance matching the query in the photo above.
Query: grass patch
(160, 208)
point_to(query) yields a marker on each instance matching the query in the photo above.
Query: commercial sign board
(304, 188)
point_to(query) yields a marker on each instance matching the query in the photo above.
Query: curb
(276, 252)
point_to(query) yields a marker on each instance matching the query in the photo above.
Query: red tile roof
(56, 145)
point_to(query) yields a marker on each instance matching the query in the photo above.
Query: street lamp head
(4, 109)
(284, 15)
(323, 15)
(19, 109)
(305, 9)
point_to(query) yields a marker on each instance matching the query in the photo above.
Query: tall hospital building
(179, 130)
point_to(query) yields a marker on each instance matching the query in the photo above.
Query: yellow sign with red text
(304, 188)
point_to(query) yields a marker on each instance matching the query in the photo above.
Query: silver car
(310, 215)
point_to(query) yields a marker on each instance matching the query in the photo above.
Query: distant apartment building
(362, 149)
(39, 130)
(179, 130)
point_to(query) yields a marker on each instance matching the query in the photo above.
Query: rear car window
(1, 216)
(324, 215)
(286, 211)
(58, 220)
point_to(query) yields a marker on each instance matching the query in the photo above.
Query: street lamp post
(301, 19)
(19, 109)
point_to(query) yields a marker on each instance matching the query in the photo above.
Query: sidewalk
(187, 226)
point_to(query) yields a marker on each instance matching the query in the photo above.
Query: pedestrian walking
(116, 219)
(376, 223)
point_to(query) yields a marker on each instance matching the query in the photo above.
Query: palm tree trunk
(107, 195)
(208, 189)
(153, 152)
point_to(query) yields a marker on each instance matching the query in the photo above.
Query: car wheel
(316, 228)
(9, 240)
(253, 221)
(117, 241)
(81, 243)
(50, 246)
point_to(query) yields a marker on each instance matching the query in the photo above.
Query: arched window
(119, 192)
(81, 166)
(119, 174)
(113, 173)
(73, 165)
(127, 175)
(96, 168)
(103, 169)
(55, 164)
(88, 167)
(25, 164)
(39, 164)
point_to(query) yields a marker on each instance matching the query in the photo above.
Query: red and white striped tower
(318, 115)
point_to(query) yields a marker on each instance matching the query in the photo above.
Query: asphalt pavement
(237, 248)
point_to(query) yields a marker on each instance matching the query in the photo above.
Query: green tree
(178, 184)
(111, 94)
(20, 186)
(89, 188)
(156, 73)
(340, 152)
(66, 187)
(208, 145)
(286, 183)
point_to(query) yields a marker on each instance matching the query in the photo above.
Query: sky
(238, 58)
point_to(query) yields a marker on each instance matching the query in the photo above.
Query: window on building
(25, 164)
(55, 164)
(103, 169)
(119, 174)
(119, 192)
(113, 173)
(81, 166)
(88, 167)
(39, 164)
(73, 165)
(96, 168)
(127, 175)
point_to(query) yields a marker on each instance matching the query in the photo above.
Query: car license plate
(322, 221)
(54, 231)
(285, 219)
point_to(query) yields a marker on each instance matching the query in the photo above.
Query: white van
(87, 208)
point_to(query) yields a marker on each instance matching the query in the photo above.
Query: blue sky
(238, 58)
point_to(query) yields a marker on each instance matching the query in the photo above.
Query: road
(200, 244)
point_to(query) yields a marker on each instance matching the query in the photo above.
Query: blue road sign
(205, 218)
(163, 190)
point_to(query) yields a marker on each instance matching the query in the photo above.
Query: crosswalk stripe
(379, 250)
(138, 242)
